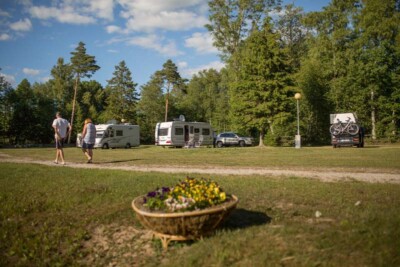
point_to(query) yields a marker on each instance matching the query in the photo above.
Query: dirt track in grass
(323, 174)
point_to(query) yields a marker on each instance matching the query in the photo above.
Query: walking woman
(88, 139)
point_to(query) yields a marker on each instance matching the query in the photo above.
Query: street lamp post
(297, 139)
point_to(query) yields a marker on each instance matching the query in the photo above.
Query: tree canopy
(344, 58)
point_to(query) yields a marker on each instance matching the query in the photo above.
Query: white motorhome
(183, 134)
(115, 135)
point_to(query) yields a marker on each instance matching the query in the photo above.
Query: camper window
(119, 133)
(178, 131)
(163, 132)
(205, 131)
(99, 134)
(196, 130)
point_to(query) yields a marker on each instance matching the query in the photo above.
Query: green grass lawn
(385, 158)
(53, 216)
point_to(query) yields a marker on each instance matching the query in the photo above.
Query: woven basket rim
(223, 206)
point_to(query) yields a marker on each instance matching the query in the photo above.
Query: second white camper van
(183, 134)
(115, 135)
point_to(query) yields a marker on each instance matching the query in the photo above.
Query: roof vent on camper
(181, 118)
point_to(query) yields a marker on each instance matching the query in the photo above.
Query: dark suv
(233, 139)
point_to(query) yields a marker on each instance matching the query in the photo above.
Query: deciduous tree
(231, 21)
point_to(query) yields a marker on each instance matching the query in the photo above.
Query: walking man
(61, 130)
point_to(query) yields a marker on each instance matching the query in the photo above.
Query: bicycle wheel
(335, 129)
(353, 129)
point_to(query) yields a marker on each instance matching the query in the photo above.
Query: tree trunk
(394, 122)
(262, 135)
(73, 106)
(166, 106)
(166, 103)
(373, 126)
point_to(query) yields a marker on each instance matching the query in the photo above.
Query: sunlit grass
(378, 157)
(49, 213)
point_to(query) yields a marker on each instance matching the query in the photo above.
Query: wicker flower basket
(187, 225)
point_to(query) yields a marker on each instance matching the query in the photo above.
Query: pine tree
(293, 34)
(171, 80)
(259, 96)
(378, 29)
(62, 84)
(121, 94)
(23, 119)
(6, 91)
(150, 108)
(83, 65)
(205, 99)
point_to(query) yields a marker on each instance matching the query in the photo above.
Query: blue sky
(144, 33)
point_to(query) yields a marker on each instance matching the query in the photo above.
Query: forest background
(345, 58)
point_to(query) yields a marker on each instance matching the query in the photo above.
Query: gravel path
(328, 175)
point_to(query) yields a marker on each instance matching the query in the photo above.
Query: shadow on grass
(241, 218)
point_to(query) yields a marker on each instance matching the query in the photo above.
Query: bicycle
(344, 127)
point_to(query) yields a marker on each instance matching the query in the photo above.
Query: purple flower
(166, 189)
(152, 194)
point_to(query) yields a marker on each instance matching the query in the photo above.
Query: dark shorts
(60, 143)
(87, 146)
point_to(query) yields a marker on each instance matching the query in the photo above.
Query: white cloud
(201, 42)
(112, 29)
(216, 65)
(172, 15)
(31, 72)
(112, 51)
(45, 79)
(182, 64)
(173, 21)
(155, 6)
(117, 40)
(102, 8)
(8, 78)
(154, 42)
(74, 11)
(21, 25)
(64, 15)
(4, 37)
(4, 13)
(115, 29)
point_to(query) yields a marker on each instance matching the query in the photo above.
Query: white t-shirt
(61, 126)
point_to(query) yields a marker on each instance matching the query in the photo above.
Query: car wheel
(128, 145)
(105, 146)
(242, 143)
(219, 144)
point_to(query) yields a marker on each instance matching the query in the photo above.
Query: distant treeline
(345, 58)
